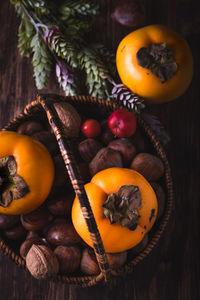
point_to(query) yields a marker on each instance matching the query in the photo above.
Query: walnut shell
(69, 118)
(42, 262)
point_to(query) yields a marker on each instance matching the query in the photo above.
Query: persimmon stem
(12, 186)
(123, 207)
(159, 59)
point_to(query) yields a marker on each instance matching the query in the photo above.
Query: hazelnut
(27, 244)
(62, 205)
(105, 158)
(69, 258)
(88, 148)
(160, 194)
(150, 166)
(62, 234)
(125, 147)
(48, 140)
(36, 219)
(8, 221)
(42, 262)
(16, 233)
(30, 127)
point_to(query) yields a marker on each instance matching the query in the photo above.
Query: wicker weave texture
(43, 106)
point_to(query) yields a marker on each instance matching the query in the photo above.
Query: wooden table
(172, 271)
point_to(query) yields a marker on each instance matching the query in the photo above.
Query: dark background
(172, 271)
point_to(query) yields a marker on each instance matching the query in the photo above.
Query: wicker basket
(44, 108)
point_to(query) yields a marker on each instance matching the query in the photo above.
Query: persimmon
(124, 206)
(26, 173)
(155, 63)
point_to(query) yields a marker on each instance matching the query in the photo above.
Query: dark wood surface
(172, 271)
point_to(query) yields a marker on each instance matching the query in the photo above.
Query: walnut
(42, 262)
(70, 119)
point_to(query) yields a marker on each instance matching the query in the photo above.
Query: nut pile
(48, 241)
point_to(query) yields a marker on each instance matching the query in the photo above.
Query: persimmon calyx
(158, 58)
(12, 186)
(123, 207)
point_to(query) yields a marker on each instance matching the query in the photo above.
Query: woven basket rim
(34, 107)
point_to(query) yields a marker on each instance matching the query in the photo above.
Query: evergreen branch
(78, 7)
(42, 62)
(40, 7)
(96, 73)
(92, 65)
(76, 29)
(157, 127)
(25, 35)
(106, 56)
(64, 48)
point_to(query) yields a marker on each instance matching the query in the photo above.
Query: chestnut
(61, 175)
(36, 219)
(160, 194)
(141, 246)
(89, 264)
(16, 233)
(48, 140)
(30, 127)
(62, 234)
(125, 147)
(88, 148)
(69, 258)
(105, 158)
(117, 260)
(106, 135)
(62, 205)
(129, 13)
(140, 141)
(8, 221)
(150, 166)
(84, 171)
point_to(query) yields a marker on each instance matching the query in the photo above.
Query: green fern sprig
(42, 62)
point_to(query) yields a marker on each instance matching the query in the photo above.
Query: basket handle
(78, 185)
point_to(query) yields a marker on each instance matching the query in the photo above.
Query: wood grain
(172, 271)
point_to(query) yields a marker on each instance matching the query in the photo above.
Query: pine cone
(65, 78)
(130, 100)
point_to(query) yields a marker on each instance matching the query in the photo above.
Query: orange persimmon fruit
(116, 237)
(155, 62)
(26, 173)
